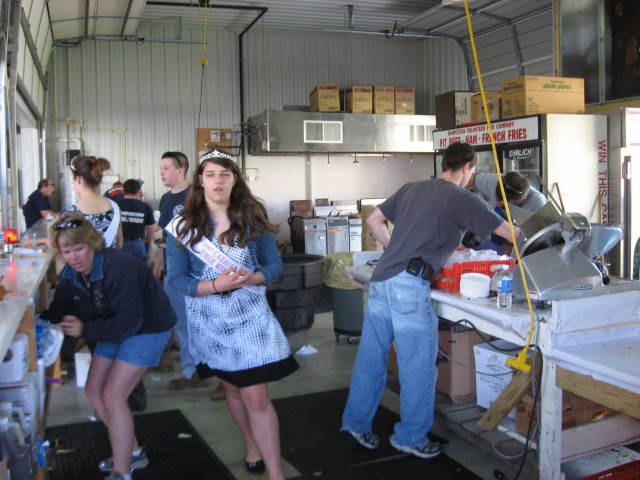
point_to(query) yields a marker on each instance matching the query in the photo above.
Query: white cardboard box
(489, 362)
(82, 361)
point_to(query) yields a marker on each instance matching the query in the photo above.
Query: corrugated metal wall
(131, 102)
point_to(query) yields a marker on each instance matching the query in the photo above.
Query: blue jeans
(399, 308)
(182, 329)
(135, 248)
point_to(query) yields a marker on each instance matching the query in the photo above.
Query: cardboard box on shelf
(359, 99)
(453, 108)
(212, 138)
(405, 101)
(494, 105)
(383, 100)
(492, 372)
(529, 95)
(325, 98)
(576, 411)
(456, 374)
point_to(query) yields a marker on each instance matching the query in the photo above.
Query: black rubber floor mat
(311, 440)
(175, 450)
(401, 468)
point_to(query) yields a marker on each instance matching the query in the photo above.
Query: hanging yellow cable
(520, 362)
(204, 13)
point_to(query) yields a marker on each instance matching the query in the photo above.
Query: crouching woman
(110, 298)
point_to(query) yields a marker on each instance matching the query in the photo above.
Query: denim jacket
(123, 299)
(184, 269)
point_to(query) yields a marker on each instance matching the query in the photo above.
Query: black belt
(133, 238)
(225, 293)
(418, 267)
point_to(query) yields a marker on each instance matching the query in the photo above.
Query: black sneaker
(426, 450)
(367, 440)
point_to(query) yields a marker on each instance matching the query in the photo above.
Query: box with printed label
(383, 100)
(359, 99)
(456, 370)
(529, 95)
(453, 108)
(405, 101)
(325, 98)
(494, 105)
(492, 372)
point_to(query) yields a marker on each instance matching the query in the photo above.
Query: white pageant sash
(206, 251)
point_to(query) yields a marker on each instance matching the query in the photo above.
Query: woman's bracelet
(213, 282)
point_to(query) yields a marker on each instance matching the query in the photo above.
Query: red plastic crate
(449, 277)
(626, 471)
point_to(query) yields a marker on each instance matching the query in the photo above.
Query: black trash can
(293, 298)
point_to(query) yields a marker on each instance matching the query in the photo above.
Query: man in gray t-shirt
(429, 220)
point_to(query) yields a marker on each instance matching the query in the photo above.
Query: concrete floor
(328, 369)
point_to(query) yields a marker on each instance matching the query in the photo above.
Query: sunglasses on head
(70, 224)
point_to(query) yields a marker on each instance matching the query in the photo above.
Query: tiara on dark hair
(215, 154)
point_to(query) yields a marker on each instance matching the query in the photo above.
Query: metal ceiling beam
(86, 17)
(33, 50)
(126, 18)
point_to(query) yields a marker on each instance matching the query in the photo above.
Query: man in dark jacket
(37, 205)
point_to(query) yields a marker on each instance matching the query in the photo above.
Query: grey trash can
(293, 298)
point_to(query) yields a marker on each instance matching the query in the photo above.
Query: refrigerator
(563, 155)
(624, 203)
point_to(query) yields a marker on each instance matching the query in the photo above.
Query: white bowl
(475, 285)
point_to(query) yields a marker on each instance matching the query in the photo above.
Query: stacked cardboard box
(456, 371)
(494, 105)
(530, 95)
(453, 108)
(325, 98)
(405, 101)
(359, 99)
(384, 100)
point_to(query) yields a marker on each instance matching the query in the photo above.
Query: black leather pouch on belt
(417, 266)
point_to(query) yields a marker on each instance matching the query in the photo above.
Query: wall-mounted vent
(313, 132)
(322, 131)
(421, 133)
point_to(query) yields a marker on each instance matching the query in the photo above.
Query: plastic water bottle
(505, 288)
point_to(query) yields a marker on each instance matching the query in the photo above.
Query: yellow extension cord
(520, 362)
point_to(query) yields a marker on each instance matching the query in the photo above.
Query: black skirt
(270, 372)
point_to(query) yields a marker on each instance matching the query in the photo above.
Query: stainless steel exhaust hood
(278, 132)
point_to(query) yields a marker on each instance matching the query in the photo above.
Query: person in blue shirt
(37, 205)
(221, 252)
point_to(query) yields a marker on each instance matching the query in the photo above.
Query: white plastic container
(15, 364)
(474, 285)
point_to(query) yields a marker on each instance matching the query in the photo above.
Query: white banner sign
(504, 131)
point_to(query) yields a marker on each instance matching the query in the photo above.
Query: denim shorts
(142, 350)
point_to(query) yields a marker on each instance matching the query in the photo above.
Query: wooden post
(519, 386)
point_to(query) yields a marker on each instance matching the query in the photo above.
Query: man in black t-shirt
(137, 221)
(37, 205)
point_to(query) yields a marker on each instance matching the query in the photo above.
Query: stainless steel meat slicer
(559, 260)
